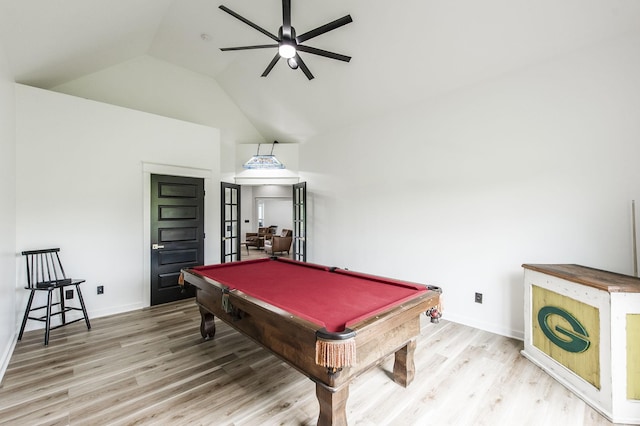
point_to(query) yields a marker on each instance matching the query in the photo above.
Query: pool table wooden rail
(293, 339)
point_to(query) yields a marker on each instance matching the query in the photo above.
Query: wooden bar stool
(45, 273)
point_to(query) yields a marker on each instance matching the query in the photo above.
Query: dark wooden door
(230, 222)
(177, 234)
(300, 221)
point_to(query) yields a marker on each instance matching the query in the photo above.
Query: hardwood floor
(255, 253)
(151, 367)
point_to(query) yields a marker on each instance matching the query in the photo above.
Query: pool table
(330, 324)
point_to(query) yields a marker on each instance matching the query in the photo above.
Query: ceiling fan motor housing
(289, 45)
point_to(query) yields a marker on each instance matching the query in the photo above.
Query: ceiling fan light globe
(286, 50)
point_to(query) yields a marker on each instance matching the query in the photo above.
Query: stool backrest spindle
(43, 266)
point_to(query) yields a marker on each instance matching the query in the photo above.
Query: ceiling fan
(288, 43)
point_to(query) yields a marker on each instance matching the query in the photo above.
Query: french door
(300, 221)
(231, 225)
(230, 222)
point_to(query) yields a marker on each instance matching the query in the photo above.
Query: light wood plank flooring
(151, 367)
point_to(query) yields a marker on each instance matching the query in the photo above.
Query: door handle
(156, 247)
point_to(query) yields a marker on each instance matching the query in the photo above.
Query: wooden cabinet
(582, 326)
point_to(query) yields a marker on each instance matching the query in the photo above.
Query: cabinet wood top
(603, 280)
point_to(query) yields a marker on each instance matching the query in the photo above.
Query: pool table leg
(404, 369)
(207, 324)
(333, 405)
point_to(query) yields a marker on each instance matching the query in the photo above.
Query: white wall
(539, 166)
(7, 213)
(279, 212)
(279, 207)
(152, 85)
(82, 182)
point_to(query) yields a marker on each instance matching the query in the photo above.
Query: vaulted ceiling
(403, 52)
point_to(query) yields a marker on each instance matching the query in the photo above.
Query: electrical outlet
(68, 294)
(478, 297)
(100, 289)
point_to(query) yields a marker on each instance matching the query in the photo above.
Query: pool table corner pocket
(335, 350)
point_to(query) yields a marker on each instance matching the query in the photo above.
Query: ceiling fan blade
(271, 65)
(303, 67)
(324, 28)
(324, 53)
(248, 22)
(286, 17)
(258, 46)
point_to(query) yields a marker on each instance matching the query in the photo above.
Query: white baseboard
(6, 356)
(491, 328)
(98, 313)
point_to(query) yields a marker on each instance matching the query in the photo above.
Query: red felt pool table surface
(333, 299)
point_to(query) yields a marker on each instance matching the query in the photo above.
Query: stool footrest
(66, 323)
(60, 312)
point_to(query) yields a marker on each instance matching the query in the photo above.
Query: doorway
(281, 205)
(177, 234)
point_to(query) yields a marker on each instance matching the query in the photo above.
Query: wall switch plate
(478, 297)
(100, 289)
(68, 294)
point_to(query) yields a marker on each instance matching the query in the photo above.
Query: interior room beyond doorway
(264, 206)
